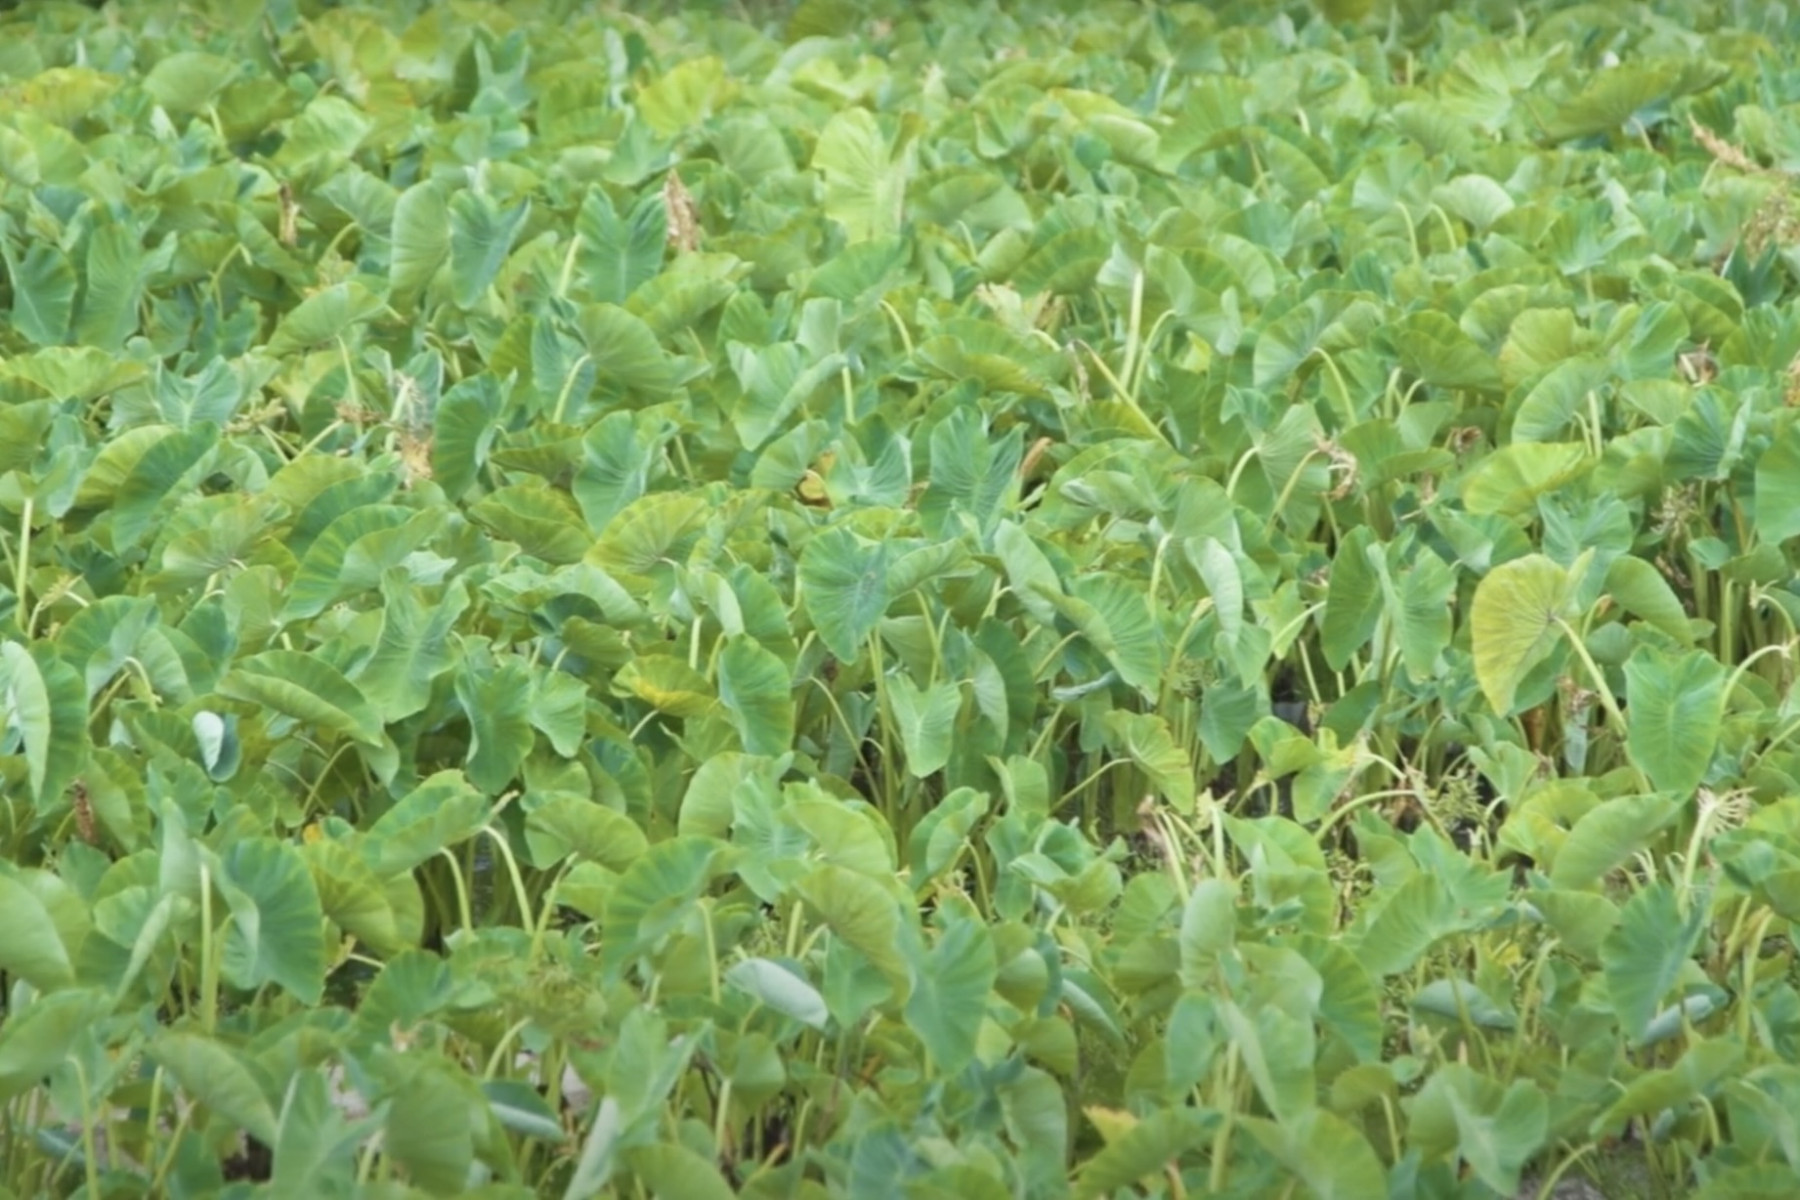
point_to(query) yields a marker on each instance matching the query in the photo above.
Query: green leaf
(862, 913)
(441, 812)
(218, 1078)
(781, 988)
(1674, 708)
(616, 253)
(926, 720)
(1352, 599)
(1603, 838)
(1325, 1153)
(566, 824)
(1643, 592)
(950, 986)
(1645, 954)
(421, 240)
(1460, 1113)
(413, 648)
(498, 703)
(674, 1172)
(1513, 625)
(844, 586)
(1144, 1151)
(306, 688)
(277, 923)
(46, 703)
(654, 896)
(323, 318)
(756, 689)
(38, 1038)
(865, 182)
(43, 291)
(1146, 740)
(33, 949)
(481, 236)
(1778, 487)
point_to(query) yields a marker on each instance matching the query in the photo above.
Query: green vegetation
(1002, 602)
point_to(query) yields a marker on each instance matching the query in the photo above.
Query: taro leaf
(1644, 955)
(1510, 480)
(38, 1038)
(498, 703)
(1145, 739)
(864, 185)
(1514, 623)
(756, 689)
(567, 824)
(516, 1105)
(1701, 1068)
(844, 585)
(1115, 617)
(186, 81)
(1349, 1005)
(1208, 930)
(671, 1171)
(616, 254)
(46, 702)
(1642, 591)
(464, 429)
(1433, 347)
(315, 1148)
(1555, 399)
(429, 1130)
(654, 896)
(926, 719)
(1778, 488)
(323, 318)
(441, 812)
(781, 988)
(1455, 999)
(43, 290)
(32, 950)
(481, 236)
(112, 285)
(320, 576)
(651, 532)
(1674, 708)
(1414, 917)
(863, 914)
(615, 469)
(276, 933)
(219, 1078)
(541, 519)
(1495, 1129)
(951, 982)
(1607, 835)
(1612, 98)
(1352, 599)
(306, 688)
(1326, 1153)
(1277, 1049)
(1145, 1150)
(942, 834)
(668, 685)
(166, 468)
(1029, 571)
(775, 383)
(351, 895)
(421, 240)
(413, 647)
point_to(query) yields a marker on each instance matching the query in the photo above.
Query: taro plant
(811, 600)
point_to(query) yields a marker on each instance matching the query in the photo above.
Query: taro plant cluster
(929, 600)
